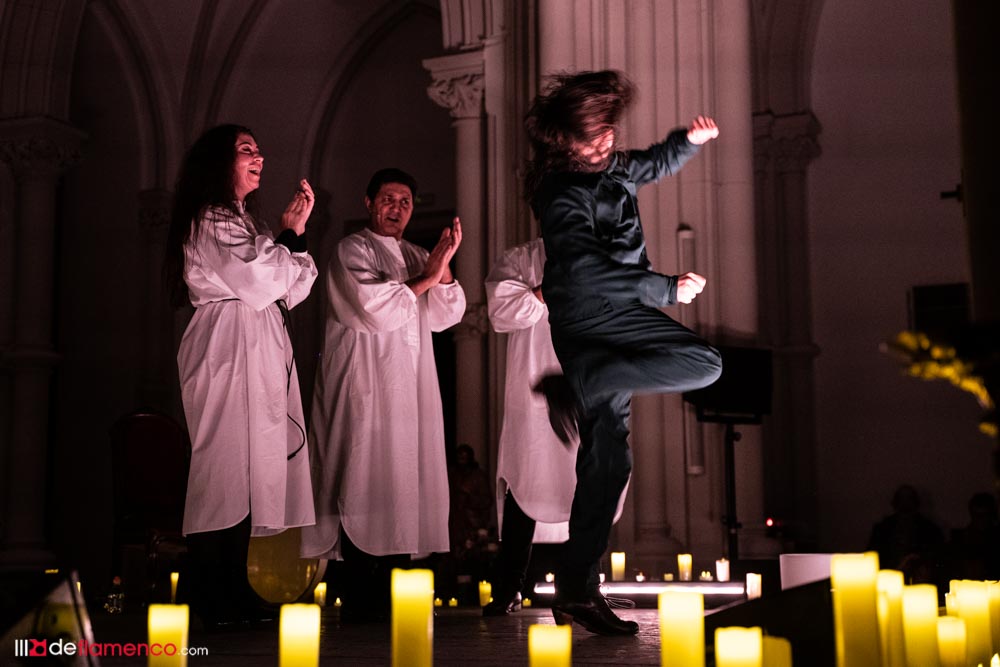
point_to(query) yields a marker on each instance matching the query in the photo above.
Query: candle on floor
(950, 606)
(890, 617)
(485, 593)
(174, 578)
(319, 594)
(438, 602)
(452, 602)
(682, 629)
(920, 614)
(617, 566)
(412, 618)
(526, 603)
(753, 585)
(722, 569)
(337, 602)
(168, 624)
(777, 652)
(993, 588)
(684, 567)
(973, 600)
(550, 645)
(298, 635)
(855, 609)
(951, 641)
(739, 647)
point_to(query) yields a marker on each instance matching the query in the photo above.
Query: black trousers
(367, 588)
(606, 359)
(516, 534)
(216, 583)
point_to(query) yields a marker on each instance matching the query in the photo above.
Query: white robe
(532, 462)
(238, 380)
(377, 429)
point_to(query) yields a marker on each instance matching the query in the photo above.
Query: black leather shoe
(498, 607)
(563, 408)
(594, 615)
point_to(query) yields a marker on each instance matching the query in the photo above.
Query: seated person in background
(974, 551)
(906, 535)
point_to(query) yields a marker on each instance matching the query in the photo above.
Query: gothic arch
(153, 106)
(36, 63)
(347, 63)
(784, 35)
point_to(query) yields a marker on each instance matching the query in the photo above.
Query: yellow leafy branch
(934, 360)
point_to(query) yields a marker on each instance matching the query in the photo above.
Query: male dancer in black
(603, 297)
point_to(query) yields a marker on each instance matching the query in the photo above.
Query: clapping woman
(249, 464)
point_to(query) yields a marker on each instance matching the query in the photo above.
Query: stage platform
(461, 637)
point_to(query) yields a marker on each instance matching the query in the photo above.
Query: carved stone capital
(475, 323)
(788, 142)
(462, 96)
(39, 147)
(458, 83)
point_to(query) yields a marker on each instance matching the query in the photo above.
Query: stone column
(154, 390)
(977, 59)
(784, 146)
(37, 150)
(458, 86)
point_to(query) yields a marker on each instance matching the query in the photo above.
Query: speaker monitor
(742, 394)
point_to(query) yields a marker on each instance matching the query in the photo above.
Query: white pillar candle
(722, 569)
(739, 647)
(951, 642)
(617, 566)
(412, 618)
(168, 628)
(319, 594)
(920, 613)
(777, 652)
(174, 578)
(299, 636)
(973, 600)
(890, 617)
(855, 609)
(684, 567)
(485, 593)
(550, 645)
(682, 629)
(753, 585)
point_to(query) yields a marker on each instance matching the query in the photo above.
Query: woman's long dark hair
(573, 109)
(205, 179)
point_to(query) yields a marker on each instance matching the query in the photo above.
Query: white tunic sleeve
(445, 305)
(510, 300)
(368, 295)
(232, 260)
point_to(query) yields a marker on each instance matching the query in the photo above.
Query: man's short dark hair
(390, 175)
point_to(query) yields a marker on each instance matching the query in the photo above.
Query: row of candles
(881, 622)
(878, 622)
(681, 615)
(684, 567)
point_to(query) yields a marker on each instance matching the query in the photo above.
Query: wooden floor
(461, 637)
